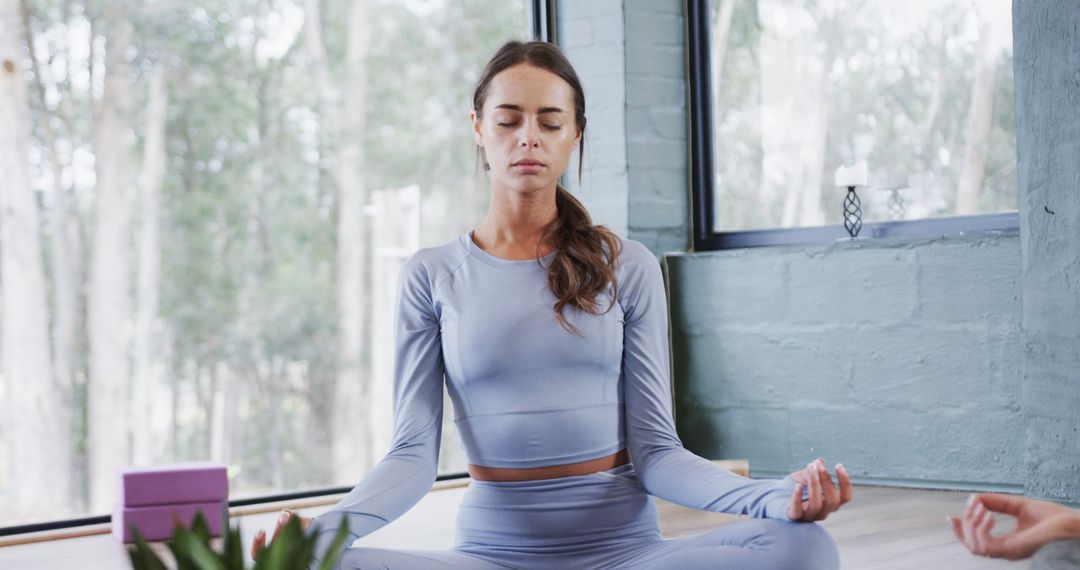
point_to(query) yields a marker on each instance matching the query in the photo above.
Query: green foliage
(191, 548)
(246, 319)
(897, 96)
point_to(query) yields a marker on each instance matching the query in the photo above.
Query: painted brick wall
(901, 358)
(591, 34)
(1046, 47)
(656, 125)
(629, 55)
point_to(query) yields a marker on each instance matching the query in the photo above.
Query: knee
(1060, 554)
(360, 558)
(805, 545)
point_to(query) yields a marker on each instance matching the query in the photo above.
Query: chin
(528, 184)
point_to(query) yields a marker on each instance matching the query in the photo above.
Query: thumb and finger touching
(260, 537)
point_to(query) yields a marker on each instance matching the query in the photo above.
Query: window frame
(700, 159)
(542, 25)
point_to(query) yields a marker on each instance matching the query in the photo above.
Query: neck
(516, 220)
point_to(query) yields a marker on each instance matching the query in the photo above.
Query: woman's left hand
(260, 543)
(824, 498)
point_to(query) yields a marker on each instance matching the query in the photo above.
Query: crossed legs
(747, 545)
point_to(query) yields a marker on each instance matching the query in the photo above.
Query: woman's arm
(406, 473)
(665, 468)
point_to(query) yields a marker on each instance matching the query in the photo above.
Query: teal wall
(901, 358)
(629, 56)
(1046, 44)
(945, 361)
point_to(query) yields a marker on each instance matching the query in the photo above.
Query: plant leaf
(142, 556)
(234, 549)
(204, 557)
(181, 548)
(200, 528)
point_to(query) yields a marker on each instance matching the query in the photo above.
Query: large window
(786, 91)
(219, 196)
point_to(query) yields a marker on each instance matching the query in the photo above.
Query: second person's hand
(1037, 523)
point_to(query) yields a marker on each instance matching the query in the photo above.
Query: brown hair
(587, 254)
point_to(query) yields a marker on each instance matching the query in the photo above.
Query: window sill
(957, 225)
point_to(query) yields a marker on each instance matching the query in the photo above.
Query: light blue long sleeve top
(528, 393)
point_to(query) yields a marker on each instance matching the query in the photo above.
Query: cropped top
(526, 392)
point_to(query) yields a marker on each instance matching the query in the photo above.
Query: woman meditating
(552, 336)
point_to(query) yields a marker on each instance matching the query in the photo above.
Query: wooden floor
(883, 529)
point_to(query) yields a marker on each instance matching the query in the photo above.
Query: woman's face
(527, 128)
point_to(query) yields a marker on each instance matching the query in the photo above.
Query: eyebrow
(519, 109)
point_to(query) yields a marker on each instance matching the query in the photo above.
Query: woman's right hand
(1037, 523)
(260, 537)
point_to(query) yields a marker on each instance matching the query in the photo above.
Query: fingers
(957, 528)
(813, 507)
(978, 522)
(967, 521)
(982, 532)
(973, 528)
(823, 495)
(258, 544)
(847, 490)
(282, 520)
(795, 512)
(832, 494)
(1007, 504)
(969, 534)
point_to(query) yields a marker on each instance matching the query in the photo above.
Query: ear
(477, 135)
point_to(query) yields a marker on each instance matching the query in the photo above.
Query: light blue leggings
(596, 521)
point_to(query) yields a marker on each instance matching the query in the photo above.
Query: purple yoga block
(198, 482)
(157, 522)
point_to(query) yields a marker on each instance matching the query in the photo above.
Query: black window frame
(542, 25)
(702, 196)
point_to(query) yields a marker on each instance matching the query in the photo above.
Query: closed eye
(548, 127)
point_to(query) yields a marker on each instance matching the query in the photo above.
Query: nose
(530, 137)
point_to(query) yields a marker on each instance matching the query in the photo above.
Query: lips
(528, 162)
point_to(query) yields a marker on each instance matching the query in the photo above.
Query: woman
(552, 335)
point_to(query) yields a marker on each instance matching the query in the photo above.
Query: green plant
(291, 550)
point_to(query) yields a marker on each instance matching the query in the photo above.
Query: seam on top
(449, 274)
(543, 411)
(532, 265)
(512, 265)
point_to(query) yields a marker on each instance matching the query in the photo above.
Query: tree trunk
(66, 266)
(149, 272)
(937, 91)
(216, 420)
(38, 480)
(721, 37)
(811, 213)
(320, 395)
(794, 119)
(109, 306)
(353, 455)
(979, 120)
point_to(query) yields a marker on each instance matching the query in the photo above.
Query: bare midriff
(481, 473)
